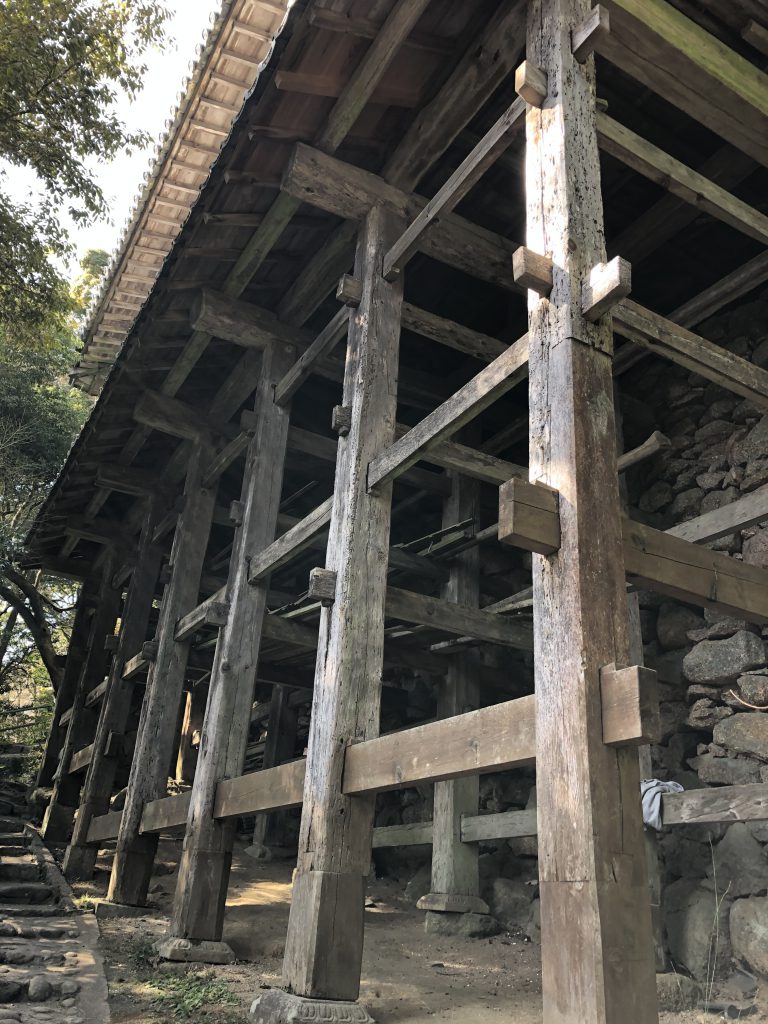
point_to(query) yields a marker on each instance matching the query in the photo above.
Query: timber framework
(386, 355)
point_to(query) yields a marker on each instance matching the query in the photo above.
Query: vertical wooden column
(80, 858)
(198, 908)
(77, 653)
(597, 950)
(279, 747)
(59, 815)
(154, 750)
(325, 930)
(192, 723)
(455, 871)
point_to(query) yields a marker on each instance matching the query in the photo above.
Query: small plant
(84, 904)
(184, 995)
(714, 938)
(140, 954)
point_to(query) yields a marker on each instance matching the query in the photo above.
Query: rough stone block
(203, 951)
(278, 1007)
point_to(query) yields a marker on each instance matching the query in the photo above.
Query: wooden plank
(458, 619)
(416, 833)
(135, 666)
(323, 345)
(210, 613)
(126, 479)
(665, 338)
(744, 512)
(496, 379)
(470, 461)
(349, 192)
(273, 788)
(243, 323)
(682, 181)
(529, 516)
(597, 949)
(198, 907)
(490, 739)
(756, 35)
(96, 695)
(451, 334)
(668, 52)
(170, 416)
(103, 827)
(165, 813)
(630, 704)
(505, 825)
(335, 835)
(81, 759)
(464, 178)
(723, 804)
(291, 543)
(224, 458)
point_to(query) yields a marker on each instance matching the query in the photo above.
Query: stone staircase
(50, 968)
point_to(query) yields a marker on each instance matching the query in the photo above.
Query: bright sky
(121, 180)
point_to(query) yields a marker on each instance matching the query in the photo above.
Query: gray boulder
(749, 933)
(755, 549)
(754, 445)
(656, 497)
(753, 688)
(738, 864)
(470, 926)
(745, 734)
(677, 992)
(510, 902)
(726, 771)
(705, 714)
(714, 662)
(674, 623)
(689, 914)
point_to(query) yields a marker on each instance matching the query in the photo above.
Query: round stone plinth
(279, 1007)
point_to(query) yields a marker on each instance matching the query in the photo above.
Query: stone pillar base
(279, 1007)
(471, 926)
(105, 909)
(452, 902)
(202, 951)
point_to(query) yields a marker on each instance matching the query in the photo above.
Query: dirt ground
(408, 976)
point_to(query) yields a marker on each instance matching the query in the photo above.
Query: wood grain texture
(597, 951)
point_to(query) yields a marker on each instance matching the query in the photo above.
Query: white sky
(121, 180)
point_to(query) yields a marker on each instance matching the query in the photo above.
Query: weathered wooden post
(324, 946)
(80, 857)
(191, 726)
(77, 653)
(148, 780)
(455, 887)
(201, 889)
(59, 815)
(597, 950)
(279, 747)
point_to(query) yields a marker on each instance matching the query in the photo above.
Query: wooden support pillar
(59, 815)
(191, 729)
(324, 945)
(154, 750)
(455, 872)
(280, 746)
(597, 949)
(80, 858)
(201, 889)
(77, 654)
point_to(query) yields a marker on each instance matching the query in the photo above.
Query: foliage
(62, 65)
(184, 995)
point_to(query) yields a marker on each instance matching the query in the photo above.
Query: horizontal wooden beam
(166, 813)
(744, 512)
(722, 804)
(135, 666)
(305, 365)
(455, 618)
(96, 695)
(449, 333)
(210, 613)
(494, 380)
(665, 338)
(282, 786)
(682, 181)
(81, 759)
(676, 58)
(170, 416)
(349, 192)
(416, 833)
(104, 827)
(464, 178)
(477, 828)
(656, 443)
(127, 479)
(291, 543)
(224, 458)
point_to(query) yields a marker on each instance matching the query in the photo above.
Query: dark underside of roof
(667, 270)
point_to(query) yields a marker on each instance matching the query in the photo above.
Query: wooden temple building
(366, 339)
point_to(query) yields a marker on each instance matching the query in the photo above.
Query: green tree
(62, 65)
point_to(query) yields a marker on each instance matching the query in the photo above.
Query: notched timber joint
(341, 419)
(149, 650)
(531, 84)
(532, 270)
(322, 586)
(529, 516)
(608, 284)
(586, 36)
(630, 705)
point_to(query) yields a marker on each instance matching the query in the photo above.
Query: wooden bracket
(532, 270)
(630, 703)
(341, 419)
(248, 421)
(322, 586)
(531, 84)
(236, 510)
(608, 284)
(111, 641)
(149, 650)
(586, 36)
(529, 517)
(350, 290)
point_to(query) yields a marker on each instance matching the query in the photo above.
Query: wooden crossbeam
(744, 512)
(126, 479)
(224, 458)
(682, 181)
(724, 804)
(663, 562)
(304, 366)
(135, 666)
(210, 613)
(464, 178)
(104, 827)
(454, 618)
(170, 416)
(349, 192)
(451, 334)
(96, 695)
(81, 759)
(291, 543)
(498, 377)
(665, 338)
(679, 60)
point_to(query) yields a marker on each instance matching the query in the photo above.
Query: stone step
(18, 870)
(14, 851)
(16, 910)
(25, 892)
(14, 839)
